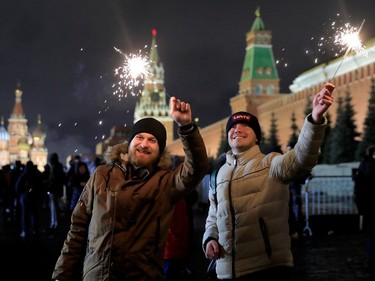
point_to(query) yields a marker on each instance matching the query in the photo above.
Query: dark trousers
(370, 225)
(280, 273)
(177, 270)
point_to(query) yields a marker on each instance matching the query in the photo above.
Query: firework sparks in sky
(134, 70)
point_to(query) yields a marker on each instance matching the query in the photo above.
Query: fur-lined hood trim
(113, 155)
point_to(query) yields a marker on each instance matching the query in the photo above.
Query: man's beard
(141, 162)
(137, 162)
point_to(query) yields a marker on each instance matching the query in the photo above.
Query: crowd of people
(25, 192)
(132, 217)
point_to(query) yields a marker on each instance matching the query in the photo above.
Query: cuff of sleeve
(208, 240)
(323, 121)
(187, 128)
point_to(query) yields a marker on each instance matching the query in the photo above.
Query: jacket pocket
(263, 229)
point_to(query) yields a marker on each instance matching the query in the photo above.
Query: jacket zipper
(233, 218)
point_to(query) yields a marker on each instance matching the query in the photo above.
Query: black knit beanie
(245, 118)
(151, 126)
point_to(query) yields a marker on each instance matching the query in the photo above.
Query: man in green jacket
(119, 226)
(247, 230)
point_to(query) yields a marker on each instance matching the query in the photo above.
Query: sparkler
(134, 70)
(348, 37)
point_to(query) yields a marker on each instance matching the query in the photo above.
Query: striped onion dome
(4, 135)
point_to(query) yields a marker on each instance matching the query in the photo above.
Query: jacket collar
(244, 157)
(113, 156)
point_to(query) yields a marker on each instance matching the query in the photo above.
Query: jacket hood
(113, 156)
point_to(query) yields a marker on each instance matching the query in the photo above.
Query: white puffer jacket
(250, 220)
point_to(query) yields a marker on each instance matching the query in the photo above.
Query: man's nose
(144, 143)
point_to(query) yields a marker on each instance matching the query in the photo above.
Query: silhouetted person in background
(364, 189)
(57, 180)
(72, 171)
(29, 191)
(6, 195)
(295, 202)
(77, 181)
(45, 183)
(180, 241)
(179, 245)
(14, 175)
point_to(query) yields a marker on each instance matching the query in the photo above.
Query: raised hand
(180, 111)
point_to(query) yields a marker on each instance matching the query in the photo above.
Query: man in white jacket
(246, 228)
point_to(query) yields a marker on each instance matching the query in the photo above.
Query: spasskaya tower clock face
(155, 96)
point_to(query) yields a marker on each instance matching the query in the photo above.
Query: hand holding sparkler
(180, 112)
(322, 101)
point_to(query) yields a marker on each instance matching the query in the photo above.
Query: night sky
(62, 53)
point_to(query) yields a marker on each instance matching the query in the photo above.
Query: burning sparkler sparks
(348, 38)
(134, 70)
(340, 37)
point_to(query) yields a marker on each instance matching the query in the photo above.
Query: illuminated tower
(38, 152)
(259, 79)
(18, 130)
(153, 101)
